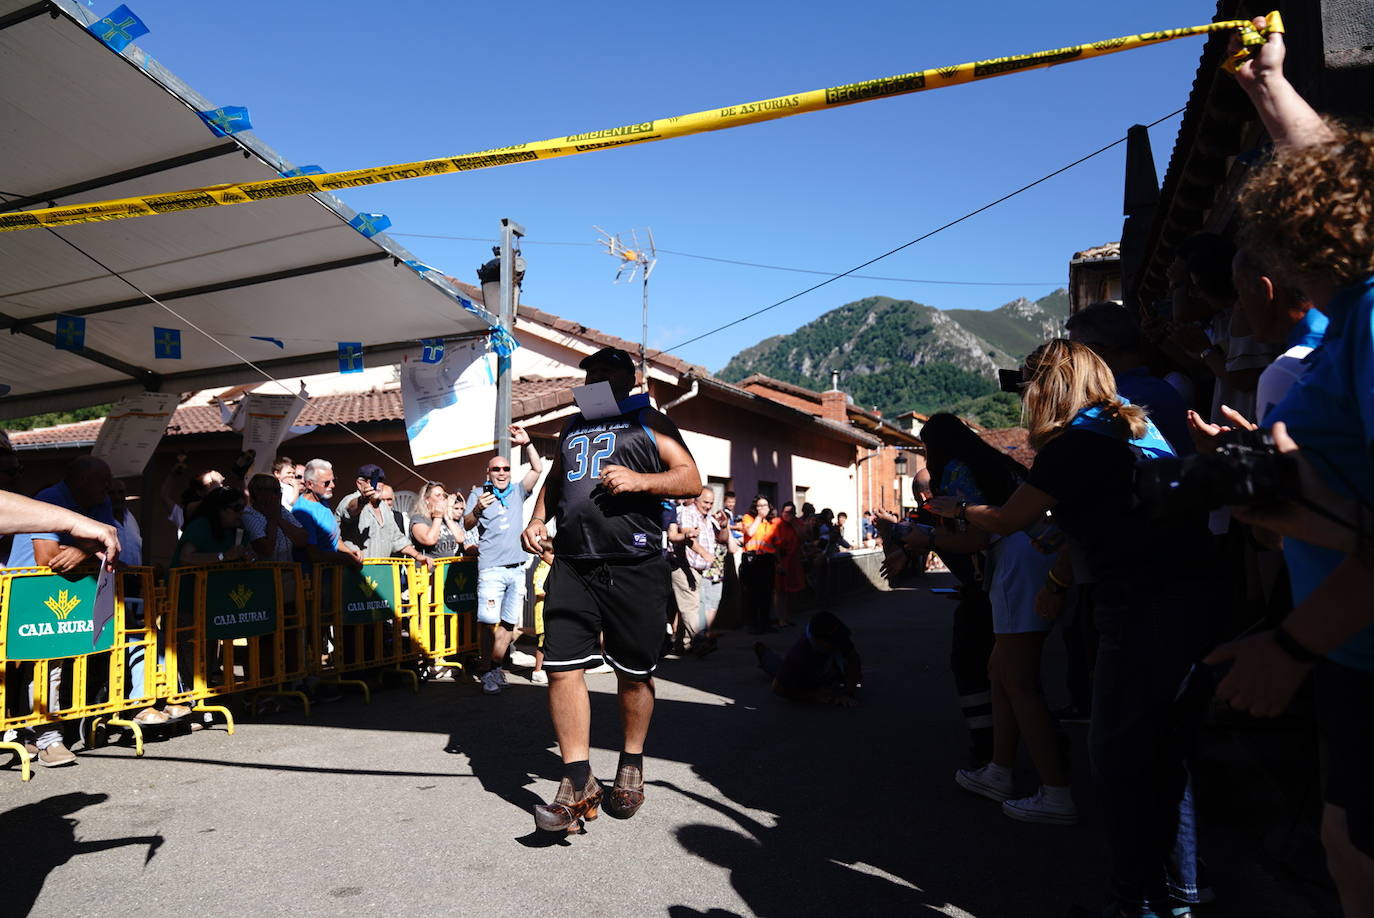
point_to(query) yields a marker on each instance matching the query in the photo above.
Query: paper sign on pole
(133, 430)
(103, 608)
(450, 406)
(264, 420)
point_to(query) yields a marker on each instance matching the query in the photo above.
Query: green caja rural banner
(48, 617)
(369, 594)
(460, 587)
(240, 604)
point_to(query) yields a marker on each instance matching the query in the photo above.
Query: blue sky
(353, 84)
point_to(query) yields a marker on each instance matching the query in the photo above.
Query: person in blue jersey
(1309, 212)
(1145, 581)
(609, 578)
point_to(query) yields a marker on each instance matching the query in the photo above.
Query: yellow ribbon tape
(715, 119)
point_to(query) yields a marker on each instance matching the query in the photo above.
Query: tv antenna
(636, 259)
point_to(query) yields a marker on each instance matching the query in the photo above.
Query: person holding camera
(436, 526)
(1146, 586)
(1309, 212)
(370, 524)
(496, 511)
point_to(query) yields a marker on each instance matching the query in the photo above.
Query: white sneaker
(520, 658)
(603, 668)
(988, 781)
(1038, 807)
(493, 681)
(539, 677)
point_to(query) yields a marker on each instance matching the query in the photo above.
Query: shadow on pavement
(49, 841)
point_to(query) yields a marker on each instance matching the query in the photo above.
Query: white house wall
(827, 485)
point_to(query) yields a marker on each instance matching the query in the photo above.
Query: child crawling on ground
(822, 667)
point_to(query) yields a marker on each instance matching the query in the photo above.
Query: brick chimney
(834, 406)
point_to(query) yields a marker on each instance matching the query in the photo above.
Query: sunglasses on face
(498, 468)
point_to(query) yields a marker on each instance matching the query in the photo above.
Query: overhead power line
(753, 264)
(905, 245)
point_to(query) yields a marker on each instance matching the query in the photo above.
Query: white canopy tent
(81, 122)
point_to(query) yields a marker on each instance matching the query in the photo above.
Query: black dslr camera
(1245, 470)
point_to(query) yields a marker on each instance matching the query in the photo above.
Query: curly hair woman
(1309, 213)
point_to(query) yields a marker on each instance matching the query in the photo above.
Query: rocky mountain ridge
(903, 355)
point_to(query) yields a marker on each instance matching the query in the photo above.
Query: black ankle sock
(579, 773)
(631, 758)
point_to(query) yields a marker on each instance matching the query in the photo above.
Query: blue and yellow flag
(71, 333)
(350, 356)
(166, 343)
(230, 119)
(119, 28)
(370, 224)
(433, 350)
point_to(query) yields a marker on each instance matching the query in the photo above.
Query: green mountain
(1020, 326)
(900, 355)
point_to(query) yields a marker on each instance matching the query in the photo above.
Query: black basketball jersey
(591, 522)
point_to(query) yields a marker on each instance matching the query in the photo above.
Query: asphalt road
(419, 804)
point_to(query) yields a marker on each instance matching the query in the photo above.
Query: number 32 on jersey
(588, 453)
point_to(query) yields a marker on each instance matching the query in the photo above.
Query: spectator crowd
(1194, 524)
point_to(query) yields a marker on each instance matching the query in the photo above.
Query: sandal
(150, 717)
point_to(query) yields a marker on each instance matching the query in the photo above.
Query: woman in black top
(1145, 581)
(963, 466)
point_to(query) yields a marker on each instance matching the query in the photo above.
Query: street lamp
(900, 463)
(500, 279)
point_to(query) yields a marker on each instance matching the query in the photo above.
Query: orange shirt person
(757, 565)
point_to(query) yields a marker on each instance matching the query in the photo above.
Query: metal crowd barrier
(57, 663)
(364, 618)
(234, 628)
(214, 630)
(448, 612)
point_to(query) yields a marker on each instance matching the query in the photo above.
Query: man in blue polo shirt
(497, 514)
(314, 515)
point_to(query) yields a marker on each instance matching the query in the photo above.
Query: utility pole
(502, 276)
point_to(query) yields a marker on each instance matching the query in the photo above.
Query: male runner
(609, 578)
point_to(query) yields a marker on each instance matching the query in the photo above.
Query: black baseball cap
(367, 471)
(613, 357)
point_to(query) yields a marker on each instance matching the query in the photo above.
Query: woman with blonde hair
(1143, 578)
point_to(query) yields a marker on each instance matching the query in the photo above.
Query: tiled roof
(592, 335)
(600, 339)
(530, 396)
(1014, 441)
(769, 382)
(1102, 252)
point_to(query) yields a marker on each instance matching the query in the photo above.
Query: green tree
(54, 418)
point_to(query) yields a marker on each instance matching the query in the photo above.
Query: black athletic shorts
(622, 599)
(1345, 698)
